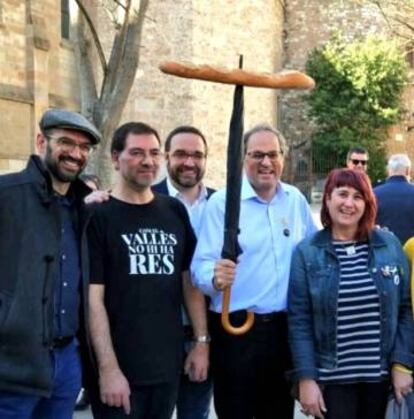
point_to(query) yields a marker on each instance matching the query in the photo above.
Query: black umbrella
(231, 249)
(284, 80)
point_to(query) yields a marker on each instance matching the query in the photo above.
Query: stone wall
(38, 68)
(37, 71)
(213, 32)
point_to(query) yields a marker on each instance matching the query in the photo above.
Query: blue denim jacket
(313, 297)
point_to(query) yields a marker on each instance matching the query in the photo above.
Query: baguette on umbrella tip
(289, 79)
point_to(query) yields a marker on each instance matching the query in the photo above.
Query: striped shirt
(358, 319)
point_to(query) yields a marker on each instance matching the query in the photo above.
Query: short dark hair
(360, 181)
(357, 150)
(122, 132)
(184, 129)
(263, 127)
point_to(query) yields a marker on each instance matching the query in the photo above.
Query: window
(409, 56)
(65, 19)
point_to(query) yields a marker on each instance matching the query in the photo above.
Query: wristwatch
(202, 339)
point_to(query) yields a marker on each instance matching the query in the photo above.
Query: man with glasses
(357, 159)
(141, 245)
(249, 370)
(44, 272)
(186, 155)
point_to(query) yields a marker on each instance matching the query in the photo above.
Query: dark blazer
(395, 200)
(163, 189)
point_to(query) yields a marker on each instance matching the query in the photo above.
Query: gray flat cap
(62, 118)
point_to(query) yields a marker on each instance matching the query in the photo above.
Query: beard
(53, 165)
(181, 175)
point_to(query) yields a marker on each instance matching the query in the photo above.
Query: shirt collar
(397, 178)
(68, 199)
(174, 192)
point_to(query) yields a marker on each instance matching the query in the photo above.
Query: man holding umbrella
(249, 370)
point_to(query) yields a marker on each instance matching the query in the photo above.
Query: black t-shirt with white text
(139, 253)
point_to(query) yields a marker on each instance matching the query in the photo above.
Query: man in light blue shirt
(249, 370)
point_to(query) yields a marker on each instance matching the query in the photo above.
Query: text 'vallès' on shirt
(139, 253)
(358, 319)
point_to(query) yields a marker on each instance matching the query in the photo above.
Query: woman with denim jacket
(351, 330)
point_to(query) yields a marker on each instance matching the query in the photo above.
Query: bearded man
(44, 271)
(186, 156)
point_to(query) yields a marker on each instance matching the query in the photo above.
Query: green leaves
(357, 96)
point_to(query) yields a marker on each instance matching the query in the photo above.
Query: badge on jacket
(391, 272)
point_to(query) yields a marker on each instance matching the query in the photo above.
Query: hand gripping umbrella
(238, 77)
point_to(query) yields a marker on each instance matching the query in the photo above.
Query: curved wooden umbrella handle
(225, 321)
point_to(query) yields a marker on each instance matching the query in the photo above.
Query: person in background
(395, 198)
(92, 181)
(351, 330)
(357, 159)
(186, 155)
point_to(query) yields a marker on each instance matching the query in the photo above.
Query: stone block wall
(37, 71)
(38, 68)
(213, 32)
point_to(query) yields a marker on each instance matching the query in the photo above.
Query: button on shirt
(195, 210)
(67, 284)
(269, 231)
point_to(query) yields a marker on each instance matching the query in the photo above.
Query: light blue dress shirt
(269, 231)
(195, 209)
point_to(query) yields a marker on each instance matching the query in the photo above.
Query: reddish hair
(359, 181)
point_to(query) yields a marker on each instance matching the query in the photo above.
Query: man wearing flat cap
(44, 272)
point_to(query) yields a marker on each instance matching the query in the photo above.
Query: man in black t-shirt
(141, 246)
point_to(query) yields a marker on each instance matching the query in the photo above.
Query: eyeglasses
(184, 155)
(258, 156)
(68, 145)
(141, 154)
(356, 162)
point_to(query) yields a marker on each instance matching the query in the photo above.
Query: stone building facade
(37, 71)
(205, 32)
(38, 68)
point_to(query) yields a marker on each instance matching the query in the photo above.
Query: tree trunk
(105, 109)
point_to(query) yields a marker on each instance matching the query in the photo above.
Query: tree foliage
(359, 86)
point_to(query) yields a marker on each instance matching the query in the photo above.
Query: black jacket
(29, 261)
(395, 199)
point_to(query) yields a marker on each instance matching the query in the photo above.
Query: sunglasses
(356, 162)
